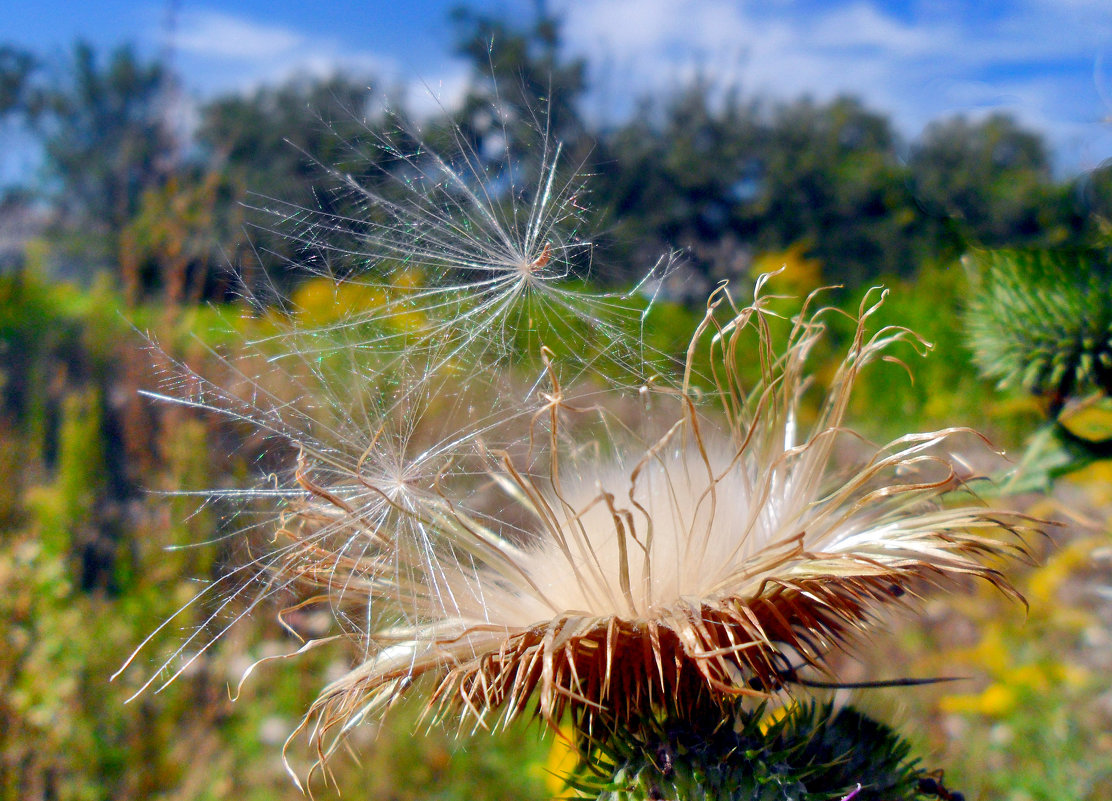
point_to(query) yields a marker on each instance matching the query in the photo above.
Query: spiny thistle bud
(812, 752)
(505, 500)
(1042, 319)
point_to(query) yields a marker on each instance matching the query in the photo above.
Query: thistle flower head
(575, 541)
(678, 563)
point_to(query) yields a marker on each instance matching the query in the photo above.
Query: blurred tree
(701, 170)
(17, 67)
(1093, 193)
(990, 182)
(19, 106)
(175, 239)
(676, 178)
(518, 73)
(830, 177)
(274, 137)
(273, 148)
(105, 143)
(719, 176)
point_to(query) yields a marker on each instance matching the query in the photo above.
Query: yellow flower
(562, 759)
(997, 700)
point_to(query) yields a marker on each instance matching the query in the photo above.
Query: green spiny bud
(1042, 320)
(810, 753)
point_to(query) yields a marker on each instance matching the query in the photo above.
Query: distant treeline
(706, 171)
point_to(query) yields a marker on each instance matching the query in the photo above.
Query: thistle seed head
(616, 575)
(599, 536)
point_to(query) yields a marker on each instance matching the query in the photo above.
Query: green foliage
(830, 176)
(66, 507)
(104, 142)
(938, 385)
(811, 753)
(410, 761)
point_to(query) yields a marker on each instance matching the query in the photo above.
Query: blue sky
(1048, 62)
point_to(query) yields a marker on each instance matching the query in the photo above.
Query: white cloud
(216, 34)
(222, 52)
(862, 25)
(226, 52)
(947, 59)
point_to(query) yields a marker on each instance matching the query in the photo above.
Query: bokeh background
(152, 159)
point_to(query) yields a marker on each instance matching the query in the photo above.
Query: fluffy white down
(687, 525)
